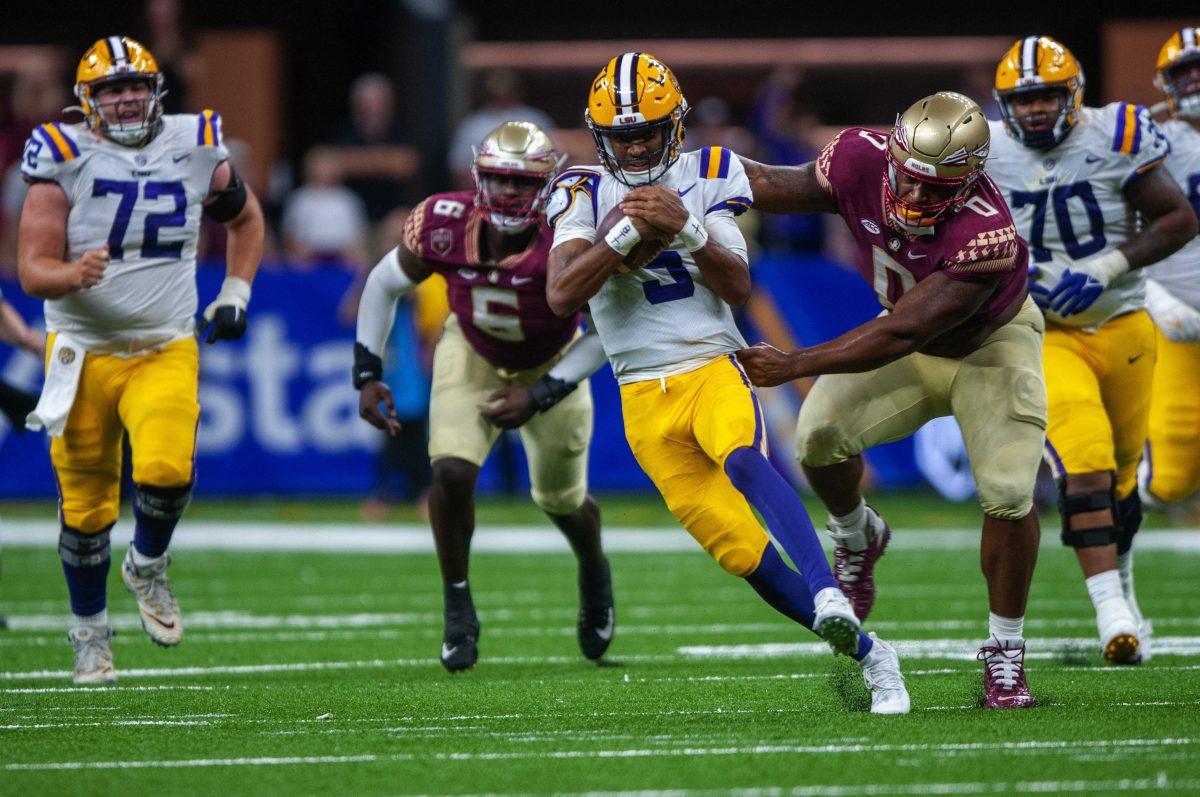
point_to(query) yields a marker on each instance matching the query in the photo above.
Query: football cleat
(1145, 638)
(881, 672)
(1118, 633)
(835, 621)
(855, 558)
(597, 617)
(156, 602)
(460, 640)
(1004, 683)
(93, 654)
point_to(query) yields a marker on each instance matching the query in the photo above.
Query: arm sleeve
(581, 360)
(377, 308)
(571, 210)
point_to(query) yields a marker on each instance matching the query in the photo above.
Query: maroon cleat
(855, 569)
(1004, 675)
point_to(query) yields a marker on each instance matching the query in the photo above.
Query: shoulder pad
(48, 150)
(1127, 127)
(714, 163)
(567, 187)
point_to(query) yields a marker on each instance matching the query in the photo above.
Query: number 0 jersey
(145, 203)
(976, 244)
(1068, 201)
(501, 306)
(662, 319)
(1180, 272)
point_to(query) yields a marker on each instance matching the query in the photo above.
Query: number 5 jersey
(1068, 201)
(145, 203)
(662, 319)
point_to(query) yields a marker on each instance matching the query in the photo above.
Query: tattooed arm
(789, 189)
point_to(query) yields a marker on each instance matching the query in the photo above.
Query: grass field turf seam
(546, 721)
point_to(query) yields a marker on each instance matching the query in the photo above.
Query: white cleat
(1118, 633)
(835, 621)
(157, 604)
(1145, 639)
(881, 672)
(93, 654)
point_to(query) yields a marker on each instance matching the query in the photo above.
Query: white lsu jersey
(145, 203)
(662, 319)
(1067, 201)
(1180, 273)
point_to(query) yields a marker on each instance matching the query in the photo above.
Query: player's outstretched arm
(231, 202)
(42, 242)
(937, 304)
(1168, 219)
(788, 189)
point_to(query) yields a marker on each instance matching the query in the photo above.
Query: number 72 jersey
(145, 203)
(1068, 201)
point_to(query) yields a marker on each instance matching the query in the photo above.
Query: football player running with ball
(1170, 469)
(1087, 193)
(958, 336)
(504, 361)
(108, 238)
(649, 242)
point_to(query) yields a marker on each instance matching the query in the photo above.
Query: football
(646, 250)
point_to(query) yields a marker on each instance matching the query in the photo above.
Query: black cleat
(597, 617)
(460, 640)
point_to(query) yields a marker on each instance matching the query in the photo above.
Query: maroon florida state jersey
(976, 243)
(501, 306)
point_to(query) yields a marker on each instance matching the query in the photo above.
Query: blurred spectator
(502, 102)
(977, 83)
(14, 402)
(213, 236)
(709, 126)
(323, 220)
(169, 40)
(785, 129)
(370, 149)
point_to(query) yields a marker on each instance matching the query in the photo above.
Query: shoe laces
(849, 563)
(884, 675)
(154, 588)
(1004, 666)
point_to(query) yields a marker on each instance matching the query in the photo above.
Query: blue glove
(1039, 293)
(1074, 293)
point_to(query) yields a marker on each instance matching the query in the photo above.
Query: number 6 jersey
(145, 203)
(662, 319)
(1068, 201)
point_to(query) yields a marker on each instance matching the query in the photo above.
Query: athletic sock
(1105, 591)
(1006, 629)
(853, 529)
(98, 620)
(785, 591)
(156, 511)
(140, 560)
(784, 512)
(1125, 571)
(85, 563)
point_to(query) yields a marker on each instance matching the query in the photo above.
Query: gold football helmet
(636, 99)
(1039, 64)
(117, 59)
(941, 141)
(513, 169)
(1178, 73)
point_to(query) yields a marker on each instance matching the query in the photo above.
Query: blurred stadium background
(341, 115)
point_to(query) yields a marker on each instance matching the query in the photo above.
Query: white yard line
(416, 538)
(92, 690)
(962, 649)
(1111, 747)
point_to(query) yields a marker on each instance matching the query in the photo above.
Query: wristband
(623, 237)
(693, 234)
(234, 291)
(548, 391)
(368, 367)
(1106, 267)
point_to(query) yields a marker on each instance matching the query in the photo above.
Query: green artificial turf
(677, 705)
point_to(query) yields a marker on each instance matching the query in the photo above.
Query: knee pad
(1129, 518)
(83, 550)
(820, 444)
(1007, 501)
(161, 503)
(560, 502)
(738, 558)
(1082, 503)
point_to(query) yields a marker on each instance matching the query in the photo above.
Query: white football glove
(1179, 322)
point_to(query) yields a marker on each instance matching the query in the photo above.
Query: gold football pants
(1173, 449)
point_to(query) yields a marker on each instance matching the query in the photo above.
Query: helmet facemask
(661, 140)
(129, 133)
(1181, 83)
(507, 210)
(913, 216)
(1051, 135)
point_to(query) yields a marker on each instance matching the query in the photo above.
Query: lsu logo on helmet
(636, 98)
(1039, 64)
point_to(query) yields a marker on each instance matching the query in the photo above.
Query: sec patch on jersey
(643, 252)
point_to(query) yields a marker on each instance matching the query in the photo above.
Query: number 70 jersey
(145, 203)
(1068, 201)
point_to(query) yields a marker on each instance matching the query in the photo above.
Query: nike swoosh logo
(1134, 359)
(911, 256)
(606, 632)
(689, 188)
(167, 626)
(1092, 158)
(448, 651)
(521, 280)
(178, 158)
(467, 273)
